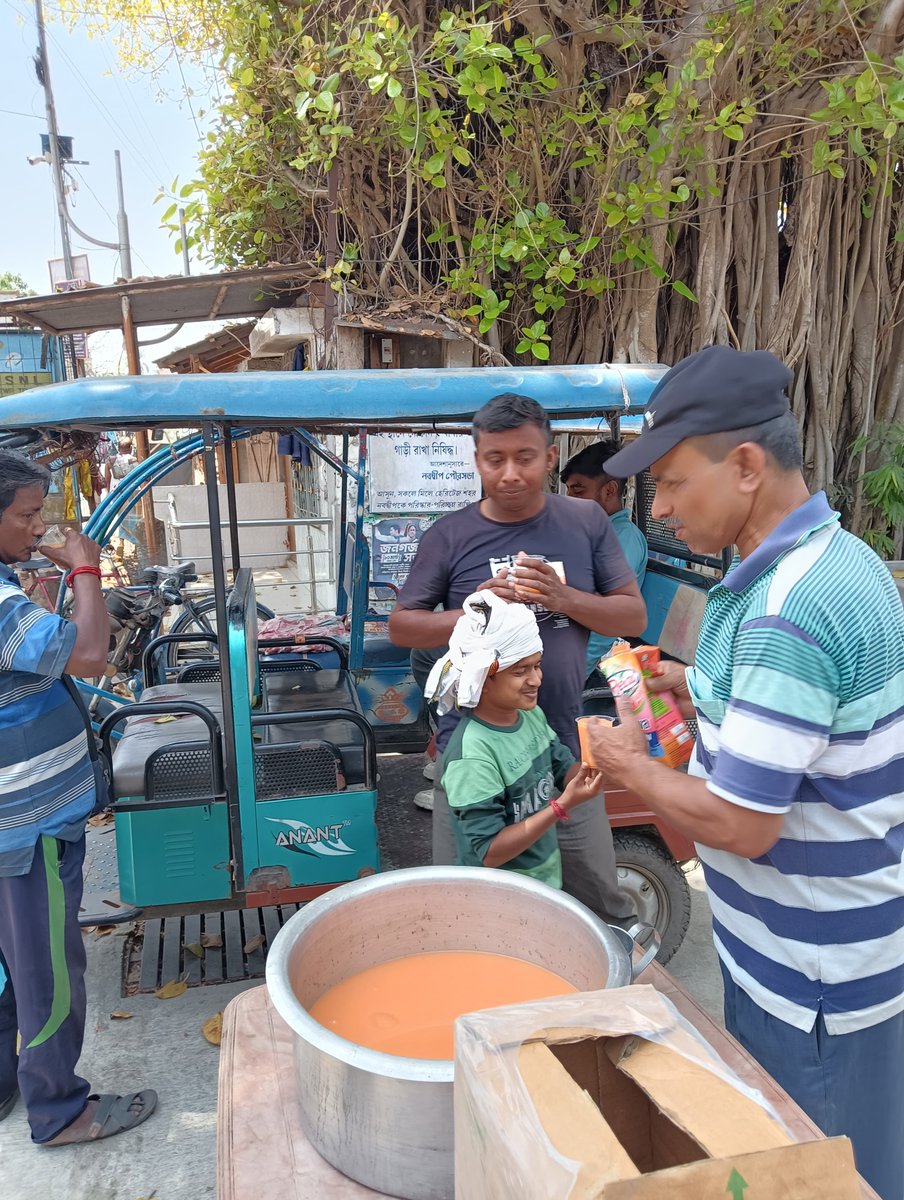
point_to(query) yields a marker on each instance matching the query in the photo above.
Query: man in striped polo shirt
(795, 796)
(46, 793)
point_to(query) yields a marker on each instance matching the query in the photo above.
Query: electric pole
(56, 166)
(122, 224)
(42, 66)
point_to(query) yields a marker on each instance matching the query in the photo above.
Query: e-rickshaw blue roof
(333, 398)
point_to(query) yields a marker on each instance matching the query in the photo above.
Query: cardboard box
(588, 1111)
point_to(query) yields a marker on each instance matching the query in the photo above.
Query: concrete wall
(261, 547)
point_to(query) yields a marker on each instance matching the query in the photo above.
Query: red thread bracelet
(561, 814)
(86, 570)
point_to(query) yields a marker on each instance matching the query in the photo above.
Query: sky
(103, 109)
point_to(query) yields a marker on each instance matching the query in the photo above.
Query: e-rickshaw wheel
(656, 885)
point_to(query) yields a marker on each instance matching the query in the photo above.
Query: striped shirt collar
(813, 515)
(7, 574)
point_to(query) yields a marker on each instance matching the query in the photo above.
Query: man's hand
(501, 585)
(584, 786)
(537, 582)
(618, 750)
(77, 551)
(668, 677)
(672, 677)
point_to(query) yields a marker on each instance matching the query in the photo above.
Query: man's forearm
(614, 614)
(92, 624)
(687, 804)
(419, 629)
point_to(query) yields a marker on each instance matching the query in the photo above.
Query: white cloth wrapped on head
(489, 631)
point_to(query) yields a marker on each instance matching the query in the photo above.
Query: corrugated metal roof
(219, 352)
(163, 301)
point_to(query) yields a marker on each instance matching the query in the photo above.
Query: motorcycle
(136, 617)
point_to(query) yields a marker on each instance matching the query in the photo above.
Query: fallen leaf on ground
(165, 720)
(254, 943)
(121, 1015)
(100, 819)
(194, 948)
(211, 940)
(170, 990)
(105, 930)
(213, 1029)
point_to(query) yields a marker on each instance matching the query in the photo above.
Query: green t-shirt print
(498, 775)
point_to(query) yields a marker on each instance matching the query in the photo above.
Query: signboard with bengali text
(421, 472)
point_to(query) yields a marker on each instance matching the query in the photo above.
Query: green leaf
(393, 87)
(247, 77)
(683, 290)
(540, 350)
(435, 163)
(734, 133)
(461, 155)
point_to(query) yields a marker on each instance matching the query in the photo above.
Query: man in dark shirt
(562, 557)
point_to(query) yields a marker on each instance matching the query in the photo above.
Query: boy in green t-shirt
(508, 777)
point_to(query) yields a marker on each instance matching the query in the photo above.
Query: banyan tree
(581, 180)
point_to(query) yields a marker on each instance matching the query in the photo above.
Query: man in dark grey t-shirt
(563, 558)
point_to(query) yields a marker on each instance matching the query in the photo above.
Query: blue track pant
(42, 953)
(848, 1083)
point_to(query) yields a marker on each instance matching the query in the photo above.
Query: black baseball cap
(713, 391)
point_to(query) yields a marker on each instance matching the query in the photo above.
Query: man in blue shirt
(585, 478)
(47, 791)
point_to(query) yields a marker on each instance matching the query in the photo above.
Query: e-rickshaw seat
(143, 737)
(324, 689)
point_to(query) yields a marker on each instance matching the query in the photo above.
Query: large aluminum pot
(386, 1121)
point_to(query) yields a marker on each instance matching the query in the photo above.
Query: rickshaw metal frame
(225, 408)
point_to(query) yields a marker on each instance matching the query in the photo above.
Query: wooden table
(262, 1153)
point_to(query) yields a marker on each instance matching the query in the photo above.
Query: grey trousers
(588, 856)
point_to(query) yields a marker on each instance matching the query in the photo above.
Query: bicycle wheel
(201, 617)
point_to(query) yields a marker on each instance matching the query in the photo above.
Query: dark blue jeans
(849, 1083)
(43, 954)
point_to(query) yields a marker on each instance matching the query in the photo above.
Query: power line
(191, 108)
(14, 113)
(106, 114)
(129, 99)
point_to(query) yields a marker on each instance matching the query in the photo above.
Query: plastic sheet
(501, 1146)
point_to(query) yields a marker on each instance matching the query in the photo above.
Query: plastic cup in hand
(54, 538)
(583, 724)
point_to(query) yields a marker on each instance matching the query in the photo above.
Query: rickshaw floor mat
(201, 948)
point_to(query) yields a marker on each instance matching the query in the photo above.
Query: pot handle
(643, 939)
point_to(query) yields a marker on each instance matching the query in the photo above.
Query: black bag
(100, 763)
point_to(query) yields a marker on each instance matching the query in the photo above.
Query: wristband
(561, 814)
(85, 570)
